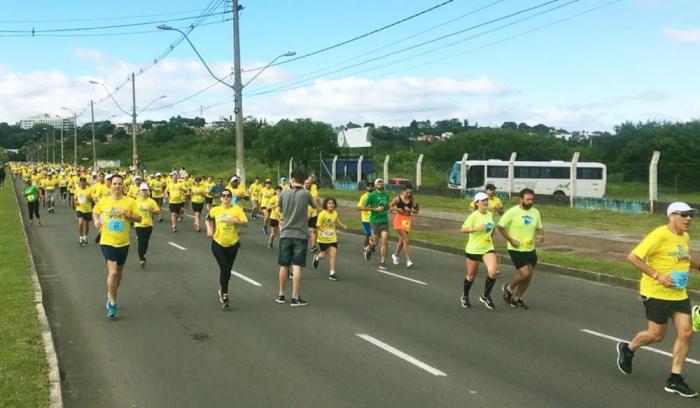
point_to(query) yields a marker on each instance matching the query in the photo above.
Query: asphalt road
(173, 345)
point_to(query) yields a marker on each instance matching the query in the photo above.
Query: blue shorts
(366, 229)
(115, 254)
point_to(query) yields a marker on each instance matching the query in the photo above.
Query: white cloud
(690, 35)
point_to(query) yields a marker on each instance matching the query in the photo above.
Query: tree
(302, 139)
(509, 125)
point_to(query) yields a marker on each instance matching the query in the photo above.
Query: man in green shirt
(31, 193)
(519, 226)
(378, 203)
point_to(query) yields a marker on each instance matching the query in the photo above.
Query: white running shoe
(409, 265)
(395, 259)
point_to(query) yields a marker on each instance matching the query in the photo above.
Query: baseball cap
(159, 174)
(680, 207)
(234, 178)
(379, 180)
(138, 178)
(143, 186)
(480, 196)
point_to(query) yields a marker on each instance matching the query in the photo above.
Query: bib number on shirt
(115, 225)
(327, 233)
(680, 279)
(82, 199)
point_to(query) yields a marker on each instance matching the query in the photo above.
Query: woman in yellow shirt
(274, 216)
(147, 208)
(266, 192)
(197, 191)
(327, 237)
(222, 227)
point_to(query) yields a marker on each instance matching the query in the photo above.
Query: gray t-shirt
(294, 205)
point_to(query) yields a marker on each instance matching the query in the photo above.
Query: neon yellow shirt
(145, 207)
(361, 203)
(266, 194)
(83, 202)
(666, 253)
(521, 225)
(115, 229)
(198, 190)
(157, 187)
(326, 227)
(176, 192)
(480, 242)
(226, 235)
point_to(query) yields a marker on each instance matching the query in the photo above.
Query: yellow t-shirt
(157, 187)
(522, 225)
(361, 203)
(50, 183)
(666, 253)
(266, 194)
(176, 192)
(198, 191)
(326, 227)
(63, 181)
(207, 188)
(238, 194)
(83, 202)
(226, 235)
(495, 204)
(133, 191)
(98, 191)
(255, 191)
(312, 211)
(480, 242)
(274, 209)
(115, 229)
(145, 207)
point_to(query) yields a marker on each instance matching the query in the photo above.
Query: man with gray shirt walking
(293, 204)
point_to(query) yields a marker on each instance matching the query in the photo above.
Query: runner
(365, 215)
(495, 204)
(175, 193)
(313, 214)
(663, 257)
(266, 193)
(378, 203)
(157, 187)
(147, 208)
(197, 191)
(115, 212)
(404, 206)
(83, 208)
(216, 191)
(31, 193)
(255, 196)
(294, 236)
(238, 190)
(50, 186)
(274, 216)
(479, 225)
(63, 184)
(208, 197)
(518, 226)
(222, 226)
(134, 188)
(328, 238)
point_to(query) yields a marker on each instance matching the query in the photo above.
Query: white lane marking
(181, 248)
(245, 278)
(402, 277)
(400, 354)
(664, 353)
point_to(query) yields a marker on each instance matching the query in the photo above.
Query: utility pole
(94, 152)
(238, 91)
(53, 144)
(133, 121)
(75, 139)
(63, 124)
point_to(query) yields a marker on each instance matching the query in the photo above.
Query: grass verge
(23, 369)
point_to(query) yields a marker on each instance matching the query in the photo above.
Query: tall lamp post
(75, 135)
(237, 85)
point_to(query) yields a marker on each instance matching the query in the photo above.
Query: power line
(187, 98)
(76, 20)
(403, 20)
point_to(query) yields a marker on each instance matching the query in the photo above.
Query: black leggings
(144, 235)
(33, 209)
(225, 256)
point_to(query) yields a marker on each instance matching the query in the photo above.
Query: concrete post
(653, 180)
(511, 174)
(386, 169)
(333, 169)
(572, 177)
(419, 171)
(463, 173)
(359, 169)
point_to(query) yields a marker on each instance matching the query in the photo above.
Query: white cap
(94, 173)
(379, 180)
(173, 173)
(138, 178)
(143, 186)
(481, 196)
(158, 174)
(234, 178)
(109, 176)
(679, 207)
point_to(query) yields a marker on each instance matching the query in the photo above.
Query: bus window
(543, 172)
(454, 177)
(497, 171)
(589, 173)
(475, 176)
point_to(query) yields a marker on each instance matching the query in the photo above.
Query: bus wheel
(559, 196)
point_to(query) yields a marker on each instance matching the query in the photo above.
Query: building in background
(46, 119)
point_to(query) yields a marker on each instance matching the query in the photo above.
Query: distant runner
(404, 208)
(479, 225)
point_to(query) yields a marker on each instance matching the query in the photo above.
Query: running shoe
(265, 230)
(367, 253)
(409, 264)
(383, 267)
(269, 244)
(221, 299)
(111, 310)
(624, 358)
(486, 300)
(142, 263)
(314, 249)
(696, 318)
(160, 220)
(280, 299)
(315, 262)
(678, 386)
(333, 276)
(224, 301)
(522, 304)
(507, 294)
(465, 302)
(395, 259)
(298, 302)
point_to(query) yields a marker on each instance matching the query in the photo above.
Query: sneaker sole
(281, 302)
(617, 363)
(333, 278)
(464, 306)
(299, 304)
(672, 391)
(486, 304)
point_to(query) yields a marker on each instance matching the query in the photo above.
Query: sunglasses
(225, 195)
(685, 214)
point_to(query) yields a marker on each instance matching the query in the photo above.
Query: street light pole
(133, 121)
(53, 145)
(94, 151)
(63, 123)
(75, 139)
(238, 96)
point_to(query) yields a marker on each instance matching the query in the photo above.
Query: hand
(542, 239)
(665, 280)
(481, 227)
(380, 208)
(210, 233)
(515, 243)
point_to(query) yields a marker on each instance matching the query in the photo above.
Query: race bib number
(406, 224)
(115, 225)
(327, 233)
(82, 199)
(680, 279)
(225, 217)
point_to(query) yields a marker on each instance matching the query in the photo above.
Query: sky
(577, 65)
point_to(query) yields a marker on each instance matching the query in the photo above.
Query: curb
(555, 269)
(55, 395)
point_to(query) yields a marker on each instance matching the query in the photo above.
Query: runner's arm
(639, 263)
(507, 237)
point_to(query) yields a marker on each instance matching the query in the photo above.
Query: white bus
(544, 177)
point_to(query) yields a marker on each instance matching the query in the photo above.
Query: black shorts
(159, 201)
(274, 223)
(176, 208)
(312, 222)
(293, 251)
(323, 246)
(197, 207)
(87, 216)
(208, 200)
(520, 258)
(63, 190)
(378, 227)
(659, 311)
(115, 254)
(477, 257)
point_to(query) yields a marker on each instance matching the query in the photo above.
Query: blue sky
(631, 60)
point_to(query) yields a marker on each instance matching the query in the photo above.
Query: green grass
(23, 370)
(634, 190)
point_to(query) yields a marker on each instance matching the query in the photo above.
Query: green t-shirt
(480, 242)
(32, 194)
(374, 200)
(521, 225)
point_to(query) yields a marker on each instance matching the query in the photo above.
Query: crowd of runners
(298, 221)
